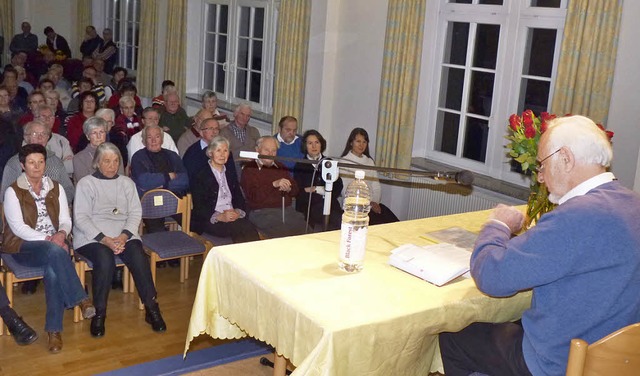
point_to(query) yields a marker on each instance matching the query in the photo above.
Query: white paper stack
(437, 264)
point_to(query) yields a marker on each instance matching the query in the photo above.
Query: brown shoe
(87, 308)
(55, 342)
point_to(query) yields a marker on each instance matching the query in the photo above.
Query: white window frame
(268, 52)
(515, 17)
(126, 18)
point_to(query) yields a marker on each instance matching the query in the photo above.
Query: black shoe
(97, 325)
(154, 318)
(174, 263)
(22, 333)
(29, 287)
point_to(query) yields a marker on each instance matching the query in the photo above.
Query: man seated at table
(582, 261)
(269, 189)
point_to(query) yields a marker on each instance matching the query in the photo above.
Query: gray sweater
(95, 209)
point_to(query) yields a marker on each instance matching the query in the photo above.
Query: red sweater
(257, 185)
(74, 130)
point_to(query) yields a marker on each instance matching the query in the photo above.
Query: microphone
(463, 177)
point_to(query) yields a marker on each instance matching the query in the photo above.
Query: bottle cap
(359, 174)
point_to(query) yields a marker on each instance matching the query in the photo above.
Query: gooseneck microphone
(463, 177)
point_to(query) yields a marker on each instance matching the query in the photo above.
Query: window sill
(482, 181)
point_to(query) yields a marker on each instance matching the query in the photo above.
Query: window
(123, 17)
(238, 51)
(492, 58)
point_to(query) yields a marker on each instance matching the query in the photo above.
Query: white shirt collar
(280, 139)
(587, 185)
(203, 143)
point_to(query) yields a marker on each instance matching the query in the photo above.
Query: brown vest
(12, 243)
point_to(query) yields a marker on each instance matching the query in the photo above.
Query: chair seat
(80, 257)
(21, 271)
(217, 240)
(172, 244)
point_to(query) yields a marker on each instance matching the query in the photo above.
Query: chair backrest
(616, 354)
(160, 203)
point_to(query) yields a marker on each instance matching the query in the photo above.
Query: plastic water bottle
(355, 221)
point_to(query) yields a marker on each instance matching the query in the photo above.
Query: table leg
(279, 365)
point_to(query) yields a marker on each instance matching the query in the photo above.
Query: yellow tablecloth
(290, 294)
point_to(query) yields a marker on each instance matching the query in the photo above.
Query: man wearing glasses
(57, 144)
(582, 261)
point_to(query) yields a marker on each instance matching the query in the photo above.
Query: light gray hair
(240, 107)
(106, 111)
(92, 123)
(103, 149)
(145, 130)
(126, 100)
(215, 143)
(42, 107)
(28, 128)
(588, 143)
(208, 94)
(263, 138)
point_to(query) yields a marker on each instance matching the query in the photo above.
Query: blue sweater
(147, 176)
(293, 150)
(582, 261)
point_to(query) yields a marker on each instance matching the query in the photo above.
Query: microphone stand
(330, 170)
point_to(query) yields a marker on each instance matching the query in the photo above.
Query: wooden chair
(168, 245)
(616, 354)
(14, 272)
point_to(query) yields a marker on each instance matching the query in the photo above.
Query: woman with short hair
(89, 103)
(107, 212)
(95, 130)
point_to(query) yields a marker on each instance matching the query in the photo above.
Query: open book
(437, 264)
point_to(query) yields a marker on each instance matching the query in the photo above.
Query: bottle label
(353, 243)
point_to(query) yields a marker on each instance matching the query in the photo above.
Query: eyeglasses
(540, 167)
(209, 129)
(46, 117)
(97, 133)
(39, 134)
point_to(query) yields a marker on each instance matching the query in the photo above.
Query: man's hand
(510, 216)
(283, 184)
(375, 207)
(229, 215)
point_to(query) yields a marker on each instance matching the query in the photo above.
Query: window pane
(481, 94)
(138, 8)
(256, 55)
(130, 5)
(207, 82)
(116, 6)
(451, 88)
(460, 1)
(475, 139)
(258, 23)
(224, 15)
(210, 47)
(254, 94)
(486, 48)
(129, 53)
(135, 57)
(534, 95)
(243, 26)
(546, 3)
(129, 33)
(116, 32)
(211, 17)
(221, 76)
(241, 84)
(491, 2)
(447, 132)
(222, 49)
(457, 39)
(243, 53)
(541, 44)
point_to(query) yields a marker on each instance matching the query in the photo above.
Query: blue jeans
(62, 286)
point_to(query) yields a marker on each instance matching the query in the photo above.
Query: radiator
(430, 198)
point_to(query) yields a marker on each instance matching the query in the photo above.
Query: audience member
(310, 200)
(101, 76)
(57, 144)
(22, 333)
(174, 120)
(150, 116)
(34, 100)
(269, 190)
(107, 214)
(22, 82)
(290, 141)
(210, 102)
(115, 135)
(192, 135)
(128, 121)
(88, 106)
(36, 229)
(126, 88)
(91, 41)
(57, 42)
(107, 51)
(10, 136)
(168, 86)
(95, 130)
(196, 159)
(582, 261)
(218, 204)
(357, 151)
(241, 135)
(83, 85)
(111, 87)
(8, 113)
(17, 95)
(90, 73)
(25, 41)
(53, 100)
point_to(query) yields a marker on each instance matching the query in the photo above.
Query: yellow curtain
(292, 44)
(6, 22)
(587, 58)
(83, 19)
(175, 58)
(399, 84)
(147, 53)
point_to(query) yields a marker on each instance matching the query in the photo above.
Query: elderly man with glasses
(57, 144)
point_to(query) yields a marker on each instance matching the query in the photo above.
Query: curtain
(148, 50)
(83, 19)
(6, 22)
(399, 83)
(175, 58)
(587, 58)
(292, 44)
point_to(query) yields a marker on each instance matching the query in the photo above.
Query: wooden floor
(129, 340)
